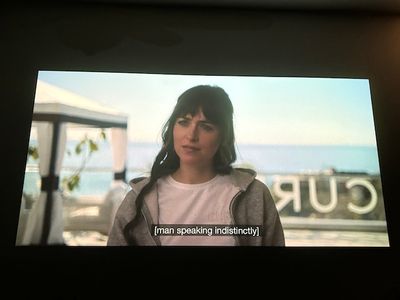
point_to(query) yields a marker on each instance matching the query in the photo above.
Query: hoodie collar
(137, 184)
(242, 178)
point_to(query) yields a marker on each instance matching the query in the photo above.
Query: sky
(267, 110)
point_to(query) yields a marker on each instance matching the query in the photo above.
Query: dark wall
(200, 41)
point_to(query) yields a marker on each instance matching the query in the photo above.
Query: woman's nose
(192, 133)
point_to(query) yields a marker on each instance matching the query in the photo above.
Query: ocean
(265, 159)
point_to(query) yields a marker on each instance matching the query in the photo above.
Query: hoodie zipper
(148, 226)
(231, 206)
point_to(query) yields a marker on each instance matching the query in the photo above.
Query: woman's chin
(190, 162)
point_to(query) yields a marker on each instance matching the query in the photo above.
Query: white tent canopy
(54, 108)
(54, 102)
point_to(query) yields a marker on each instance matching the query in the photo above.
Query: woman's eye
(207, 127)
(183, 122)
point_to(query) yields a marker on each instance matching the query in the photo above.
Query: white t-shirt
(203, 203)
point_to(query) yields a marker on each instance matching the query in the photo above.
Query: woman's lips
(190, 148)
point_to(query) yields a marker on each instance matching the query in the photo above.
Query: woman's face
(196, 140)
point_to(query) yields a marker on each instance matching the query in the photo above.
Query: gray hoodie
(252, 205)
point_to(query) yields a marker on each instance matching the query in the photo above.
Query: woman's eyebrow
(206, 122)
(187, 117)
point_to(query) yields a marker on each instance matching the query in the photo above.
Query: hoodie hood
(137, 184)
(242, 178)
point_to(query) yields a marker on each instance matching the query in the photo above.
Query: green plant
(85, 148)
(33, 152)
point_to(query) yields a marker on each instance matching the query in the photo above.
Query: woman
(192, 182)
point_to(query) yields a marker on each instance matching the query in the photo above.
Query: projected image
(95, 138)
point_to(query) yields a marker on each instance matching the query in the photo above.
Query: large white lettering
(287, 196)
(374, 197)
(314, 199)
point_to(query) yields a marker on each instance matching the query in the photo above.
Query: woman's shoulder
(127, 207)
(137, 179)
(242, 177)
(138, 183)
(244, 171)
(247, 178)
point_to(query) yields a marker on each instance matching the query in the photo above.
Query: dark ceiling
(377, 6)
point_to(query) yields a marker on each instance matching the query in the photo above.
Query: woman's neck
(191, 175)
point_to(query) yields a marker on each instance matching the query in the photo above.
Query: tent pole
(50, 185)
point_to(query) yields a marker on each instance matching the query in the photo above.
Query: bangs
(215, 110)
